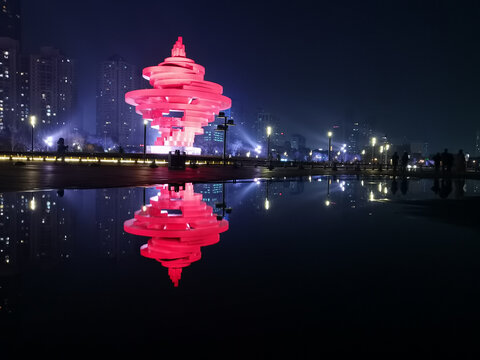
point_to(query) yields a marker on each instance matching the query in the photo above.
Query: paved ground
(32, 176)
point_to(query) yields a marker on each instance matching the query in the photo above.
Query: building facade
(117, 122)
(9, 65)
(52, 92)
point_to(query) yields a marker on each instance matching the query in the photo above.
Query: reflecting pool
(313, 264)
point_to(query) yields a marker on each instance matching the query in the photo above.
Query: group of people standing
(446, 161)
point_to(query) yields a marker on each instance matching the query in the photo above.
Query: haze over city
(410, 69)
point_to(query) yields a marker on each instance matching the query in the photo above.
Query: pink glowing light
(180, 103)
(179, 224)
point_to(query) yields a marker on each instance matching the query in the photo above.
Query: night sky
(410, 68)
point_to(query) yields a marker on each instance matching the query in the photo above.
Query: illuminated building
(9, 65)
(51, 90)
(178, 223)
(263, 120)
(211, 141)
(181, 102)
(112, 207)
(116, 120)
(354, 140)
(298, 141)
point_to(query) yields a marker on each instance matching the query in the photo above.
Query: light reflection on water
(56, 243)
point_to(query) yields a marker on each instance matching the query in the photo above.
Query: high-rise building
(10, 25)
(211, 141)
(353, 140)
(9, 65)
(117, 121)
(297, 141)
(263, 120)
(23, 93)
(52, 91)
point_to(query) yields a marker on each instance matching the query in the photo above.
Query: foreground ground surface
(35, 176)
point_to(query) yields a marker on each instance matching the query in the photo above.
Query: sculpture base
(189, 150)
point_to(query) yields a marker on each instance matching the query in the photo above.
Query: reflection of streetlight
(267, 202)
(33, 205)
(327, 201)
(329, 134)
(33, 121)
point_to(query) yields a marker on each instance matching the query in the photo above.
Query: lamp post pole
(224, 127)
(225, 140)
(387, 147)
(269, 132)
(330, 134)
(145, 122)
(33, 120)
(374, 141)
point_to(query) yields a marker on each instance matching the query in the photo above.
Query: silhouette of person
(460, 162)
(61, 148)
(436, 161)
(394, 186)
(395, 158)
(404, 186)
(447, 161)
(404, 161)
(445, 188)
(436, 186)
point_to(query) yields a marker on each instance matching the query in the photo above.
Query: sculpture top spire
(178, 49)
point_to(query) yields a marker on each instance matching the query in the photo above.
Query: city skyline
(408, 67)
(435, 121)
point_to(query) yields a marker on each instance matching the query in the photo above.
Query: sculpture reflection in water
(179, 223)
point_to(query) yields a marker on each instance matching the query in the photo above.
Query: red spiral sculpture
(180, 103)
(179, 224)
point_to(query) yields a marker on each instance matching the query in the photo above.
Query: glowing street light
(374, 141)
(33, 121)
(387, 147)
(269, 132)
(329, 134)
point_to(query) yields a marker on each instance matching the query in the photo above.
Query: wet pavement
(35, 176)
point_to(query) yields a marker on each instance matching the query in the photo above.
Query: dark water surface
(314, 264)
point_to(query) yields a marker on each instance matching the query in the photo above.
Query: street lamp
(374, 141)
(269, 132)
(387, 147)
(145, 122)
(329, 134)
(33, 121)
(224, 127)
